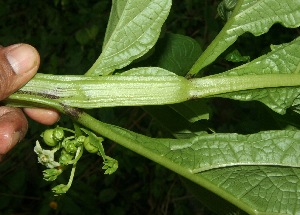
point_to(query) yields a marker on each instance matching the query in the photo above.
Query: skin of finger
(10, 82)
(13, 127)
(42, 115)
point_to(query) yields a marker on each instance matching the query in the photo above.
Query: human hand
(18, 64)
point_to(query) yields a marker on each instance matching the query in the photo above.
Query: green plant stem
(216, 85)
(61, 92)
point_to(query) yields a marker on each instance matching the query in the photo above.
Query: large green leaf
(257, 172)
(283, 59)
(133, 29)
(254, 16)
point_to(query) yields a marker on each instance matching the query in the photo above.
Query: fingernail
(22, 58)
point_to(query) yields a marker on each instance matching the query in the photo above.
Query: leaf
(210, 151)
(193, 110)
(115, 15)
(235, 56)
(283, 59)
(173, 122)
(210, 200)
(266, 190)
(254, 16)
(176, 53)
(258, 172)
(133, 29)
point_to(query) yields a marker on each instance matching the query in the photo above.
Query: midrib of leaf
(257, 21)
(136, 32)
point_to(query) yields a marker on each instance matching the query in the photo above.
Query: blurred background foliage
(68, 35)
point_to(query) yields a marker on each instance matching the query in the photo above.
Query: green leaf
(173, 122)
(258, 172)
(210, 200)
(210, 151)
(235, 56)
(283, 59)
(193, 110)
(176, 53)
(254, 16)
(133, 29)
(266, 190)
(115, 15)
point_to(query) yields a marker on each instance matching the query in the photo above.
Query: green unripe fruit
(89, 146)
(53, 136)
(80, 139)
(70, 146)
(48, 137)
(65, 157)
(58, 134)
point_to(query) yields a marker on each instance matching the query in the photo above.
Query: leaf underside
(256, 172)
(133, 29)
(253, 16)
(283, 59)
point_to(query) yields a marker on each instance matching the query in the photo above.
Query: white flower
(45, 157)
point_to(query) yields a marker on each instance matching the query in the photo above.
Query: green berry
(65, 157)
(70, 146)
(80, 139)
(89, 146)
(48, 137)
(58, 134)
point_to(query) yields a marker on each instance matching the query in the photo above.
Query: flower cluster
(71, 149)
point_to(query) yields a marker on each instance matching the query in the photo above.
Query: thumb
(18, 64)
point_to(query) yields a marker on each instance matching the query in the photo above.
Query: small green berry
(70, 146)
(49, 138)
(80, 139)
(58, 134)
(89, 146)
(65, 157)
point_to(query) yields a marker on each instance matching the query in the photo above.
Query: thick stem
(217, 85)
(60, 92)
